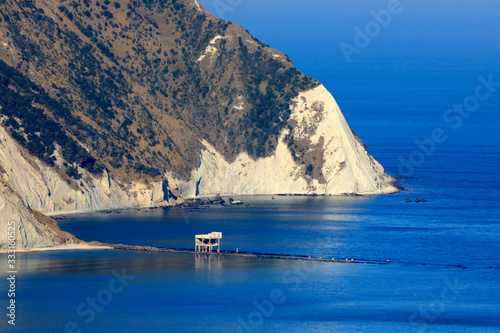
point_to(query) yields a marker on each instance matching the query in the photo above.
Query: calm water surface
(443, 273)
(442, 276)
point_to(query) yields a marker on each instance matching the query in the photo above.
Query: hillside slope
(32, 229)
(107, 104)
(337, 162)
(137, 84)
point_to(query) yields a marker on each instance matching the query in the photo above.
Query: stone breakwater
(234, 254)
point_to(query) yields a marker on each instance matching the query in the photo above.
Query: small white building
(206, 243)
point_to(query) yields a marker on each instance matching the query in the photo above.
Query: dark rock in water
(417, 200)
(407, 200)
(423, 200)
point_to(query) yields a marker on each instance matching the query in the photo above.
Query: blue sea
(428, 267)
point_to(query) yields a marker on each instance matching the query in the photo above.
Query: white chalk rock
(347, 167)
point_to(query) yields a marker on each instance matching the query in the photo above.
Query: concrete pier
(236, 254)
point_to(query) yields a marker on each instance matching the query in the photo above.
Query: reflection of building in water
(205, 261)
(206, 243)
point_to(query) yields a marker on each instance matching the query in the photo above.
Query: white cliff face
(347, 167)
(29, 233)
(275, 174)
(43, 189)
(25, 181)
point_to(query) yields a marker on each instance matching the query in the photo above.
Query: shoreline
(393, 189)
(62, 247)
(76, 212)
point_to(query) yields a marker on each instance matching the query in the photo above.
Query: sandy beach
(61, 248)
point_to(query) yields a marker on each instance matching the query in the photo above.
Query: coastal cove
(446, 246)
(447, 243)
(422, 258)
(429, 257)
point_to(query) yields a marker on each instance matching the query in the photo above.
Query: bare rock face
(15, 216)
(42, 188)
(319, 133)
(29, 189)
(166, 102)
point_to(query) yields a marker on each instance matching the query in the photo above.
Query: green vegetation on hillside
(140, 84)
(31, 127)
